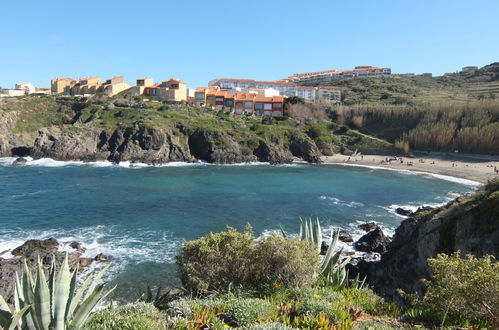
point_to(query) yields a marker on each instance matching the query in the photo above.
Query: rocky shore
(45, 250)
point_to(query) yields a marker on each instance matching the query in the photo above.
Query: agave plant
(55, 304)
(331, 268)
(10, 320)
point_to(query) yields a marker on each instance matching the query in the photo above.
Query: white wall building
(27, 87)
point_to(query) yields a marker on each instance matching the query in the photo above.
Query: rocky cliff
(469, 224)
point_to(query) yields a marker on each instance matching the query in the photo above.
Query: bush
(244, 312)
(215, 261)
(212, 262)
(128, 317)
(283, 261)
(461, 291)
(185, 307)
(314, 307)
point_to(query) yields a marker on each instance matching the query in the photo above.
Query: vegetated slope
(482, 84)
(137, 129)
(469, 224)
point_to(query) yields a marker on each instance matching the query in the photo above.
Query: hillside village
(241, 96)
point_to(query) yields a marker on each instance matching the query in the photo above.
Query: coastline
(475, 169)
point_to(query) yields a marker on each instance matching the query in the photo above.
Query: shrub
(128, 317)
(212, 262)
(314, 307)
(244, 312)
(216, 261)
(185, 307)
(461, 291)
(290, 262)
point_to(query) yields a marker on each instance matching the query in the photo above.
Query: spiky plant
(55, 304)
(10, 320)
(332, 269)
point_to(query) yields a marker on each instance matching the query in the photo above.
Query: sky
(198, 41)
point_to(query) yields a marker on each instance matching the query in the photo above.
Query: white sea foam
(337, 201)
(144, 246)
(410, 172)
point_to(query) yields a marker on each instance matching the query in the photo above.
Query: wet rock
(273, 154)
(101, 257)
(403, 212)
(19, 162)
(77, 246)
(84, 262)
(345, 237)
(35, 247)
(373, 241)
(367, 226)
(303, 147)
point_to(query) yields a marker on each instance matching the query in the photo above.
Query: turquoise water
(140, 216)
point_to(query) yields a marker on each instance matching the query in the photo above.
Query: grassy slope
(107, 114)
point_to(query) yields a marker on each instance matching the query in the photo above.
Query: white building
(27, 87)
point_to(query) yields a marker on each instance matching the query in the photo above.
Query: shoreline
(473, 169)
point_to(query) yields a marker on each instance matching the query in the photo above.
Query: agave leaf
(27, 294)
(96, 281)
(16, 319)
(3, 305)
(300, 235)
(77, 297)
(86, 307)
(62, 287)
(42, 299)
(149, 294)
(282, 232)
(318, 235)
(72, 289)
(52, 286)
(158, 294)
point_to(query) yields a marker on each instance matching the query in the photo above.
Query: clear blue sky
(201, 40)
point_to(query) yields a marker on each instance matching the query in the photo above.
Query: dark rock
(367, 226)
(21, 151)
(36, 247)
(84, 262)
(345, 237)
(273, 154)
(373, 241)
(404, 212)
(469, 226)
(305, 148)
(19, 162)
(101, 257)
(324, 247)
(77, 246)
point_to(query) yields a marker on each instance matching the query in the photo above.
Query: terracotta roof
(275, 83)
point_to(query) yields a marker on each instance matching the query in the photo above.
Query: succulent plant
(55, 304)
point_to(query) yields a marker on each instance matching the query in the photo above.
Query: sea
(140, 215)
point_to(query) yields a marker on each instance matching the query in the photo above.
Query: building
(241, 103)
(43, 90)
(6, 92)
(172, 89)
(140, 86)
(426, 74)
(26, 86)
(469, 68)
(333, 74)
(114, 86)
(329, 93)
(84, 86)
(305, 92)
(58, 85)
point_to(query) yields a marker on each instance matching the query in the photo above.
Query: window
(219, 99)
(248, 104)
(200, 95)
(211, 98)
(258, 105)
(258, 112)
(268, 106)
(277, 105)
(229, 103)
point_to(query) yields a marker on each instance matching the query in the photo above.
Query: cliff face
(469, 224)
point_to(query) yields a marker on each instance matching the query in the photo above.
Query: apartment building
(333, 74)
(329, 93)
(20, 89)
(140, 86)
(84, 86)
(469, 68)
(242, 103)
(58, 85)
(114, 86)
(26, 86)
(172, 89)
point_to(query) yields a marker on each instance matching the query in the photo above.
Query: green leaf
(77, 297)
(84, 310)
(96, 281)
(72, 291)
(41, 310)
(52, 285)
(17, 317)
(3, 305)
(62, 287)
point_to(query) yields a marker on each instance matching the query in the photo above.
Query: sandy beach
(472, 167)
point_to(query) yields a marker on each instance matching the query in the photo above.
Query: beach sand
(472, 167)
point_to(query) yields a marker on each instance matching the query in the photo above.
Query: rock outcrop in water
(469, 224)
(33, 249)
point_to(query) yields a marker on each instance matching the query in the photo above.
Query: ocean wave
(143, 246)
(454, 179)
(337, 201)
(413, 207)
